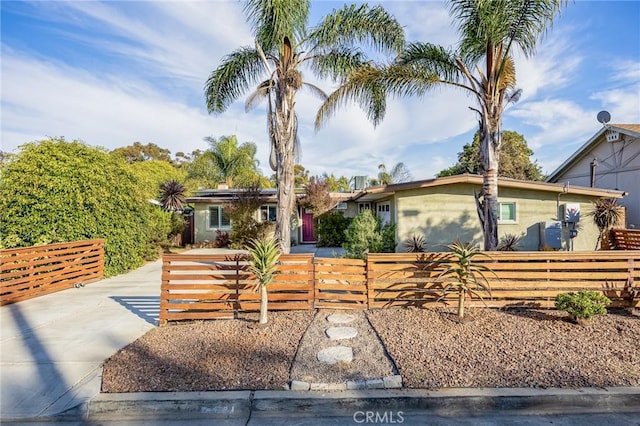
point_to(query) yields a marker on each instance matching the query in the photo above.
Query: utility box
(551, 235)
(570, 212)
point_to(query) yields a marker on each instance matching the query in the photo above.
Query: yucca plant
(264, 263)
(509, 242)
(463, 275)
(173, 197)
(414, 244)
(606, 214)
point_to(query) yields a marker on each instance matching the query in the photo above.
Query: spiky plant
(464, 276)
(510, 242)
(606, 214)
(264, 255)
(414, 244)
(173, 197)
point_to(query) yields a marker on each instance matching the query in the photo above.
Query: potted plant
(583, 306)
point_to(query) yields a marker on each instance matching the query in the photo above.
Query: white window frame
(219, 213)
(515, 212)
(341, 206)
(268, 207)
(363, 206)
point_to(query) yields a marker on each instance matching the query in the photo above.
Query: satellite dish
(604, 117)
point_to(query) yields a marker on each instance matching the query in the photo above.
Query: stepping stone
(336, 354)
(340, 333)
(340, 318)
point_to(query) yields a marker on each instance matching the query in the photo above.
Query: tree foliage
(367, 234)
(242, 212)
(317, 197)
(139, 152)
(515, 159)
(399, 173)
(59, 191)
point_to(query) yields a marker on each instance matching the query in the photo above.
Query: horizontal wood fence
(215, 286)
(622, 239)
(220, 286)
(34, 271)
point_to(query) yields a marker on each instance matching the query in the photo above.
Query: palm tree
(264, 255)
(482, 65)
(283, 44)
(398, 174)
(234, 163)
(606, 214)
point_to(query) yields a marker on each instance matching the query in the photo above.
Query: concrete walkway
(53, 346)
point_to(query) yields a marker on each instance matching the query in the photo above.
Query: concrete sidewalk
(53, 346)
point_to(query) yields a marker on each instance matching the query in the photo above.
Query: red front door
(307, 228)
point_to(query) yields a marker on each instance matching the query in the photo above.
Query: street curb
(246, 404)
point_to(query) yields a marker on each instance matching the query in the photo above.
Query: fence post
(236, 303)
(369, 282)
(164, 292)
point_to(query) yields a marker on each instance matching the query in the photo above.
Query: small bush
(222, 239)
(584, 304)
(331, 228)
(366, 234)
(414, 244)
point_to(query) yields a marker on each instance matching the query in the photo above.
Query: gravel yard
(512, 348)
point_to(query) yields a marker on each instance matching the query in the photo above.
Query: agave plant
(463, 275)
(510, 242)
(172, 198)
(414, 244)
(606, 214)
(264, 263)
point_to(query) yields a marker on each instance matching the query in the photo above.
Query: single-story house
(546, 215)
(209, 214)
(443, 210)
(609, 159)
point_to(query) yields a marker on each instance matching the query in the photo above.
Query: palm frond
(336, 63)
(435, 59)
(264, 256)
(232, 78)
(353, 25)
(368, 86)
(257, 95)
(315, 90)
(273, 20)
(173, 196)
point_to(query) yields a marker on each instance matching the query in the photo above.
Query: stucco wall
(444, 217)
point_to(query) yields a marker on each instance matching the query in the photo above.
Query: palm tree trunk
(285, 196)
(264, 298)
(461, 304)
(491, 138)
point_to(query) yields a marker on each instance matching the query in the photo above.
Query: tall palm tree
(398, 174)
(482, 65)
(283, 44)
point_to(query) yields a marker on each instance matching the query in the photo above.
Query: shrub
(222, 239)
(510, 242)
(583, 305)
(58, 191)
(366, 234)
(414, 244)
(242, 212)
(331, 228)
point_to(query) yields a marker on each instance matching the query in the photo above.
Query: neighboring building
(209, 213)
(610, 159)
(443, 210)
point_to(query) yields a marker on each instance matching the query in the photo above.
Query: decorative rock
(297, 385)
(337, 386)
(375, 384)
(392, 382)
(319, 386)
(356, 384)
(340, 318)
(340, 333)
(336, 354)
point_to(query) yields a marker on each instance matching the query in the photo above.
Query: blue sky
(115, 72)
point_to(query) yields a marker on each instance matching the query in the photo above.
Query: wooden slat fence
(624, 239)
(38, 270)
(220, 286)
(528, 279)
(340, 283)
(210, 286)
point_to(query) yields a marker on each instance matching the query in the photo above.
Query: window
(363, 206)
(268, 213)
(341, 206)
(218, 219)
(507, 212)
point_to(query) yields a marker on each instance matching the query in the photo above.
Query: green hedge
(59, 191)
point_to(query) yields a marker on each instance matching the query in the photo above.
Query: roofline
(580, 151)
(502, 182)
